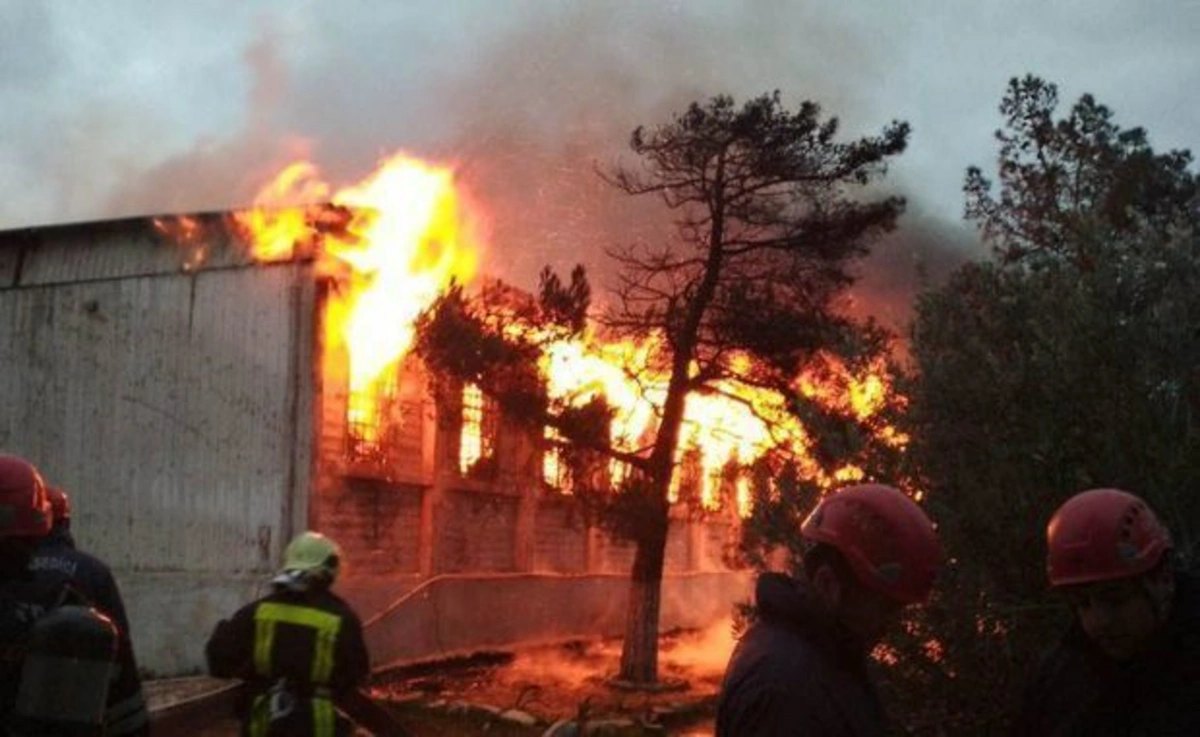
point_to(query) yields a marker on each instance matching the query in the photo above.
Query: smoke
(558, 100)
(222, 174)
(527, 98)
(699, 656)
(920, 253)
(583, 663)
(705, 653)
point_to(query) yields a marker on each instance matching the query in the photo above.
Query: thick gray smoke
(527, 98)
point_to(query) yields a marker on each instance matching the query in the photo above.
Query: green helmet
(313, 554)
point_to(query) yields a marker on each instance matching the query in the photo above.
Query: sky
(110, 109)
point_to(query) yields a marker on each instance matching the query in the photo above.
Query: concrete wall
(463, 614)
(442, 561)
(168, 398)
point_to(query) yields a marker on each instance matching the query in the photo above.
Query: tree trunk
(639, 655)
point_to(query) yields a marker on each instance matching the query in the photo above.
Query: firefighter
(801, 666)
(300, 650)
(56, 562)
(41, 624)
(60, 508)
(1130, 662)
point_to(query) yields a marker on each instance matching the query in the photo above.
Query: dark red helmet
(24, 504)
(60, 504)
(1103, 534)
(888, 541)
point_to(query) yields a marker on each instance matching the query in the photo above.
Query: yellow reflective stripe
(326, 624)
(264, 639)
(260, 717)
(323, 718)
(323, 658)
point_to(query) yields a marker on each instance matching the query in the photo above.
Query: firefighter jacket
(299, 653)
(56, 563)
(796, 673)
(1078, 690)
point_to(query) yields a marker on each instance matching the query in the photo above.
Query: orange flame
(724, 430)
(407, 232)
(395, 240)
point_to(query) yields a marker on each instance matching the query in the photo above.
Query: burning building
(206, 386)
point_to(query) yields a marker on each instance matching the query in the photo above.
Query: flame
(189, 232)
(724, 430)
(392, 242)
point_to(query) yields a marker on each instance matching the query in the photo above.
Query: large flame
(394, 241)
(725, 429)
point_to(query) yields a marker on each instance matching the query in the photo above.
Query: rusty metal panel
(162, 404)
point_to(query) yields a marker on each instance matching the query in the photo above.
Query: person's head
(310, 562)
(25, 514)
(60, 507)
(874, 551)
(1109, 555)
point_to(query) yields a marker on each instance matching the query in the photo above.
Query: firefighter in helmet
(58, 562)
(1130, 662)
(800, 668)
(50, 636)
(300, 650)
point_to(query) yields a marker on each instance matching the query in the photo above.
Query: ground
(544, 684)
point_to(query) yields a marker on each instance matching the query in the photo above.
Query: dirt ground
(546, 683)
(574, 679)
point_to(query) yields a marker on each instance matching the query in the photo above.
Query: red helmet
(24, 505)
(60, 504)
(1103, 534)
(889, 543)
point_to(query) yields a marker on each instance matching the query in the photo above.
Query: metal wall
(172, 406)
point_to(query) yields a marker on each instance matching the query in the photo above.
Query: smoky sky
(110, 109)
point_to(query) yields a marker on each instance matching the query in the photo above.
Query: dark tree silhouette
(767, 230)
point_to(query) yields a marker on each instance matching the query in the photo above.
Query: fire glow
(407, 235)
(724, 429)
(394, 241)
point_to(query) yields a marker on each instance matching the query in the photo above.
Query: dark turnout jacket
(57, 563)
(796, 673)
(1078, 690)
(300, 654)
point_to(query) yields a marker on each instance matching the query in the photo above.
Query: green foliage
(768, 229)
(1061, 180)
(1071, 362)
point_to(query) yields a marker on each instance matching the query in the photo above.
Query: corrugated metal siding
(162, 405)
(121, 250)
(10, 259)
